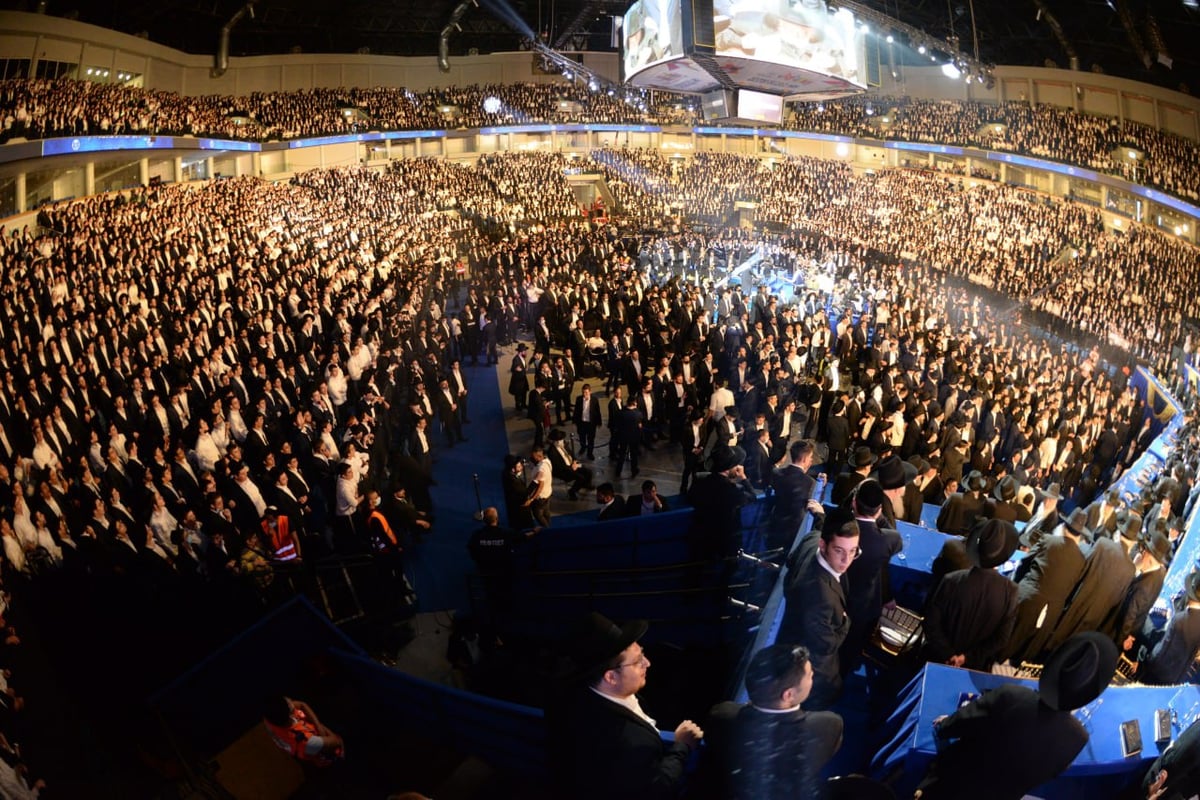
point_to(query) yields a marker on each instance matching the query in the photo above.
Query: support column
(1120, 106)
(210, 166)
(256, 164)
(20, 190)
(1003, 172)
(177, 169)
(89, 179)
(1157, 115)
(144, 172)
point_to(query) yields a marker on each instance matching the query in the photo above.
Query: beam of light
(507, 14)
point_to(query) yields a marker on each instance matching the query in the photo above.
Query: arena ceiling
(1118, 37)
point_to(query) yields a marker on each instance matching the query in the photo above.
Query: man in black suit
(868, 572)
(1051, 572)
(538, 412)
(1050, 736)
(960, 511)
(600, 743)
(627, 437)
(1151, 563)
(587, 419)
(1167, 657)
(794, 490)
(646, 503)
(838, 436)
(771, 748)
(691, 441)
(1103, 586)
(612, 505)
(816, 614)
(969, 619)
(860, 466)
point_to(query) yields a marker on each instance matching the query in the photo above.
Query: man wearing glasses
(601, 744)
(815, 612)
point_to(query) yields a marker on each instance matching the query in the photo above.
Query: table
(911, 570)
(936, 689)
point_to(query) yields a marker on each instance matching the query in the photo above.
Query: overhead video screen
(800, 34)
(651, 33)
(759, 107)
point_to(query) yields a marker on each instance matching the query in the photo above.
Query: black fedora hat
(992, 543)
(868, 497)
(1076, 522)
(863, 457)
(1159, 546)
(726, 458)
(599, 640)
(1078, 671)
(891, 473)
(1006, 489)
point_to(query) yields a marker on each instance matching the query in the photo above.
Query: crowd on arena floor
(37, 108)
(214, 385)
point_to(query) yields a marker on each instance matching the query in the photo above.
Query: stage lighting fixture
(491, 104)
(950, 71)
(890, 39)
(921, 49)
(842, 149)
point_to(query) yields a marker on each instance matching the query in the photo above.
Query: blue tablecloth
(936, 690)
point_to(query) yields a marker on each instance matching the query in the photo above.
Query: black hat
(1129, 524)
(557, 435)
(1076, 522)
(891, 473)
(1078, 671)
(1159, 546)
(600, 639)
(992, 543)
(975, 482)
(863, 457)
(869, 497)
(522, 347)
(1006, 489)
(727, 458)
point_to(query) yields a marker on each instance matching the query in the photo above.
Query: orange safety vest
(378, 541)
(293, 739)
(281, 539)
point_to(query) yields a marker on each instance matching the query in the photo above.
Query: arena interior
(344, 369)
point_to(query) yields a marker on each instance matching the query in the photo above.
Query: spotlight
(593, 85)
(921, 49)
(568, 75)
(820, 108)
(491, 104)
(890, 39)
(950, 71)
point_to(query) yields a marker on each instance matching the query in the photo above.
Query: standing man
(627, 437)
(771, 748)
(601, 743)
(1053, 570)
(692, 440)
(1050, 736)
(518, 383)
(794, 490)
(1169, 656)
(587, 419)
(541, 486)
(816, 614)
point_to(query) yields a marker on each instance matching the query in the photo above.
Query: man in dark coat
(771, 748)
(1103, 586)
(1176, 773)
(1166, 659)
(794, 489)
(816, 613)
(1102, 513)
(1151, 565)
(1006, 506)
(1050, 737)
(868, 572)
(860, 466)
(970, 617)
(600, 743)
(1051, 572)
(627, 437)
(518, 383)
(960, 511)
(587, 418)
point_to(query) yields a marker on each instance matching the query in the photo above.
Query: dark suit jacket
(593, 412)
(793, 489)
(839, 434)
(599, 750)
(959, 513)
(844, 485)
(969, 768)
(817, 616)
(972, 612)
(614, 511)
(1103, 586)
(1169, 660)
(1053, 571)
(761, 756)
(633, 505)
(1138, 601)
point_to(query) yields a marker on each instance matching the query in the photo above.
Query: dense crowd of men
(214, 385)
(39, 108)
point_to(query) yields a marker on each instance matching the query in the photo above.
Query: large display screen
(759, 107)
(651, 33)
(802, 34)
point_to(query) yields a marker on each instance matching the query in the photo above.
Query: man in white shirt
(539, 498)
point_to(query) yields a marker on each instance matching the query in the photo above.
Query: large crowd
(36, 108)
(207, 388)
